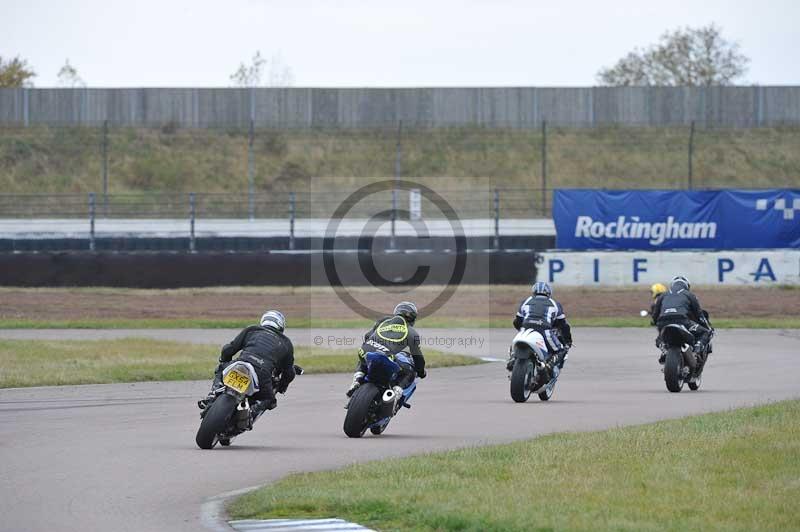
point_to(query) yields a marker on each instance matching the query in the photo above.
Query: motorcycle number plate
(237, 380)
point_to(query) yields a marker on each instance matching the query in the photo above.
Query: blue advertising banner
(677, 219)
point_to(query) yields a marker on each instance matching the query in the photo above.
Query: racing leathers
(546, 316)
(682, 307)
(656, 301)
(270, 353)
(391, 335)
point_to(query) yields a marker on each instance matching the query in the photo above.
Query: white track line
(294, 525)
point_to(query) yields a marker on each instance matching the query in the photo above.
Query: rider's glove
(421, 373)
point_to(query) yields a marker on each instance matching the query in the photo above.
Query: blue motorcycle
(378, 399)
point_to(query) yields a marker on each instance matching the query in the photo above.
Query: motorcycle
(228, 415)
(530, 372)
(376, 401)
(681, 364)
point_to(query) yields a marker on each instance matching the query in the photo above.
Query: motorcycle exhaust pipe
(389, 396)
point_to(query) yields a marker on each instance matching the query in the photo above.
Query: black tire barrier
(176, 270)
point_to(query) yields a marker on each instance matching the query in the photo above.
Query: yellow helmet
(657, 289)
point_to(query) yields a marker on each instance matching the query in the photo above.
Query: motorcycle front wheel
(694, 384)
(547, 393)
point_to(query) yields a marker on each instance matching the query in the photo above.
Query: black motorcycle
(681, 364)
(228, 414)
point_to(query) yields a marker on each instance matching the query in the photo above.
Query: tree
(249, 76)
(683, 57)
(68, 76)
(279, 74)
(16, 73)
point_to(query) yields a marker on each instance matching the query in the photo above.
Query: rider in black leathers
(679, 305)
(545, 315)
(269, 351)
(391, 335)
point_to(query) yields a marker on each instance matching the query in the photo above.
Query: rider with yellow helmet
(656, 291)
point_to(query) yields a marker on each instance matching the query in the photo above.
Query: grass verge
(784, 322)
(46, 363)
(738, 470)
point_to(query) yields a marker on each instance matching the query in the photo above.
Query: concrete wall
(631, 268)
(521, 107)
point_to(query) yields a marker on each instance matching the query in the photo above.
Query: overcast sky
(347, 43)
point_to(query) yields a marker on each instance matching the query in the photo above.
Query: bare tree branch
(682, 57)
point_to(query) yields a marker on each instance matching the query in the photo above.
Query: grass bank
(786, 322)
(48, 363)
(40, 159)
(738, 470)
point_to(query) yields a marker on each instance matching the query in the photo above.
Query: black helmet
(680, 283)
(407, 309)
(542, 289)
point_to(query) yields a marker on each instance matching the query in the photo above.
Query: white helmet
(274, 319)
(680, 283)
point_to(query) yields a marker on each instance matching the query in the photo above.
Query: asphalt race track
(122, 457)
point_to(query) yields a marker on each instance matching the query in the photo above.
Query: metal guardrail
(164, 211)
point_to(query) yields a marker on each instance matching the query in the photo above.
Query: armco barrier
(620, 268)
(173, 270)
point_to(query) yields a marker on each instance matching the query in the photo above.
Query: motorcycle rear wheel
(355, 422)
(673, 370)
(521, 377)
(215, 421)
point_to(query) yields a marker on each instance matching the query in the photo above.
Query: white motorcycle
(530, 371)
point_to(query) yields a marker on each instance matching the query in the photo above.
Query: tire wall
(174, 270)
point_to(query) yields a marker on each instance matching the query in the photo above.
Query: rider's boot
(259, 407)
(358, 379)
(511, 359)
(202, 404)
(552, 365)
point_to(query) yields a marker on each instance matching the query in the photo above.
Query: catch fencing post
(691, 153)
(105, 168)
(292, 214)
(91, 220)
(251, 205)
(496, 219)
(192, 213)
(544, 167)
(398, 158)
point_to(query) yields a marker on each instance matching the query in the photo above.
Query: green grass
(788, 322)
(46, 363)
(738, 470)
(68, 159)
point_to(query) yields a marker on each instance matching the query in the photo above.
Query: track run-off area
(123, 457)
